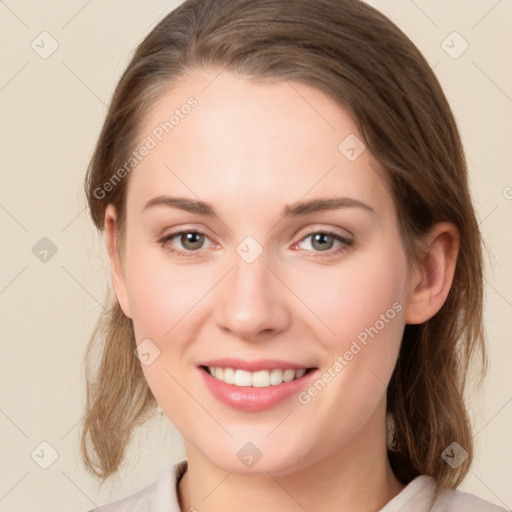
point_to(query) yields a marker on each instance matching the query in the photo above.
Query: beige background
(52, 112)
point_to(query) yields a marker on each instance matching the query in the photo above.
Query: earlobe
(116, 265)
(433, 273)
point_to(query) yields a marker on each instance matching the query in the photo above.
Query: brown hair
(359, 58)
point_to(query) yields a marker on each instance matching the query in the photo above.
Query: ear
(432, 275)
(116, 264)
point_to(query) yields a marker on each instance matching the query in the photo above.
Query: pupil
(320, 237)
(193, 238)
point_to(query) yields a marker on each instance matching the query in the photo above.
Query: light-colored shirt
(420, 495)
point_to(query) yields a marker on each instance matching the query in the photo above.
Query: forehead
(228, 139)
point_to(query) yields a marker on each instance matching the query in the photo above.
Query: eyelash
(346, 242)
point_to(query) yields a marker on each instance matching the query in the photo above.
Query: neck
(354, 477)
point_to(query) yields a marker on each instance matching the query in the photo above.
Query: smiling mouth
(258, 379)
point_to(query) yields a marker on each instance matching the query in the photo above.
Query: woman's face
(274, 280)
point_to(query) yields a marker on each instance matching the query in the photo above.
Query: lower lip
(248, 398)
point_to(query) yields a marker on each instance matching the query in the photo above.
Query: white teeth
(229, 375)
(259, 379)
(276, 377)
(288, 375)
(242, 378)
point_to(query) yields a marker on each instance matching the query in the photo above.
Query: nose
(252, 303)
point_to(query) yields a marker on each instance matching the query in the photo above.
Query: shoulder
(453, 500)
(158, 496)
(423, 495)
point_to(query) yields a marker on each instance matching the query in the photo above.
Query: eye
(191, 241)
(323, 242)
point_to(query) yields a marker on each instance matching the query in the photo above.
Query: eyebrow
(293, 210)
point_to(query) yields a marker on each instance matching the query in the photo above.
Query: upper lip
(253, 366)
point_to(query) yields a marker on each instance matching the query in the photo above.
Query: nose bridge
(252, 301)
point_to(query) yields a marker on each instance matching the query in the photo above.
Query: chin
(258, 457)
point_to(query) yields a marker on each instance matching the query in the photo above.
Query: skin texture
(251, 148)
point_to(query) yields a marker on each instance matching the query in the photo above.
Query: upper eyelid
(316, 227)
(340, 238)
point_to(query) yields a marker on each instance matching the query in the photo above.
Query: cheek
(356, 298)
(339, 302)
(165, 300)
(363, 306)
(162, 294)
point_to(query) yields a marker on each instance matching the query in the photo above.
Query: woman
(243, 136)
